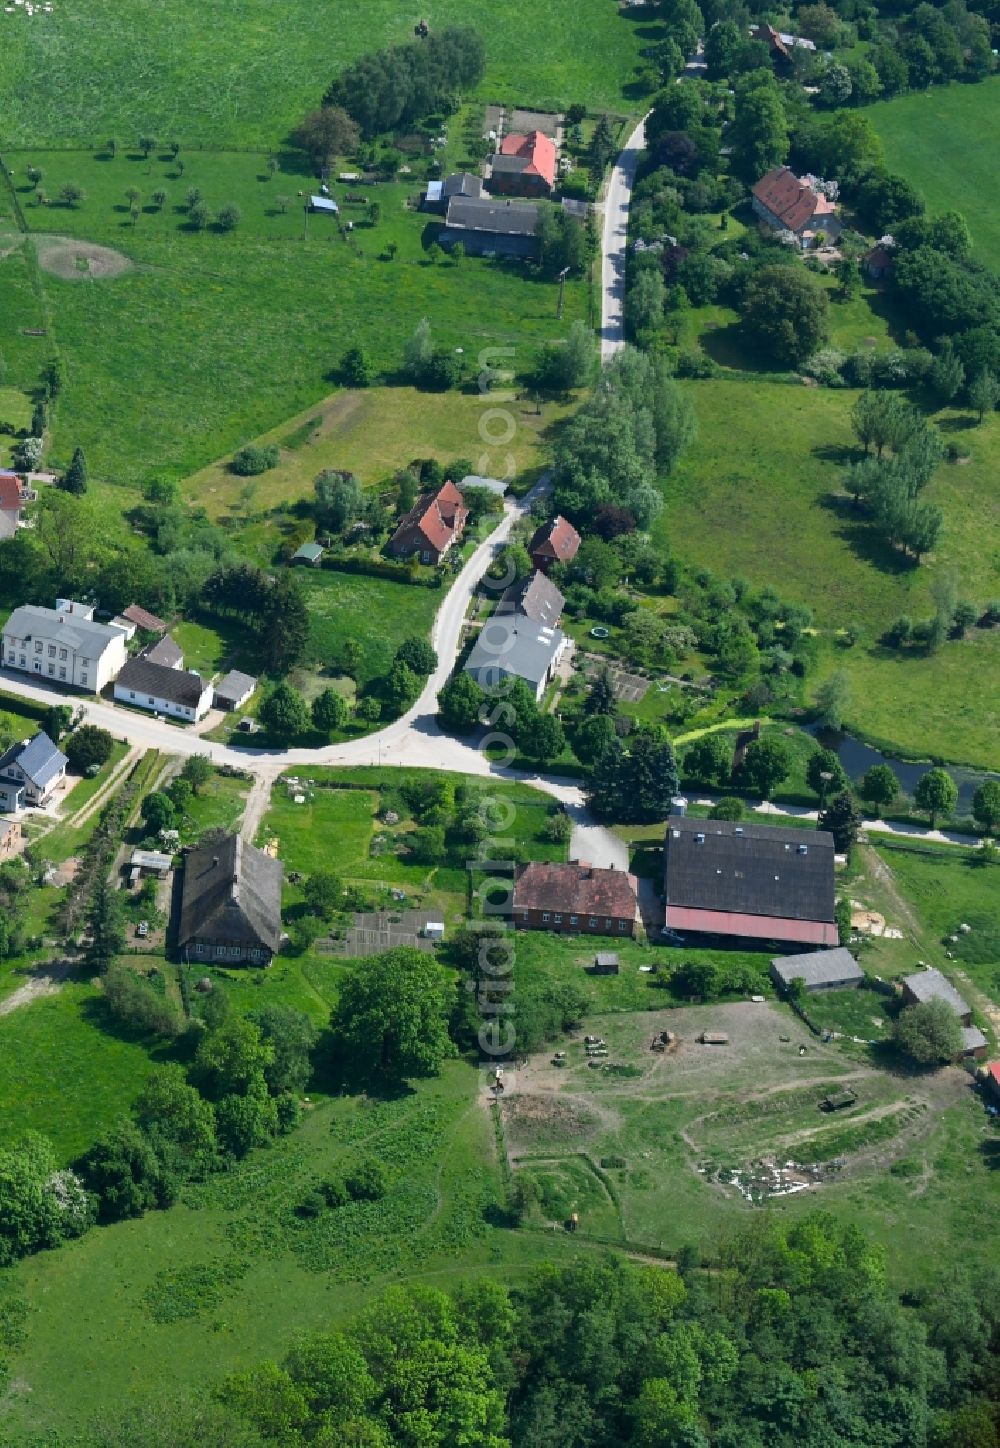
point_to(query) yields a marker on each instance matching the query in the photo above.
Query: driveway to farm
(616, 205)
(594, 844)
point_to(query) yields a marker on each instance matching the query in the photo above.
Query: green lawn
(377, 612)
(772, 509)
(945, 889)
(935, 139)
(246, 75)
(179, 1298)
(15, 408)
(64, 1072)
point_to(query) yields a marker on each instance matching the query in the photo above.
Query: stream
(857, 757)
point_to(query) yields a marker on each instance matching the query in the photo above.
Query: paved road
(414, 739)
(616, 207)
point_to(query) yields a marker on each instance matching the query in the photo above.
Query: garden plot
(384, 930)
(630, 688)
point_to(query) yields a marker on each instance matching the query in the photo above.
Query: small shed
(605, 963)
(309, 554)
(820, 970)
(434, 196)
(325, 204)
(151, 862)
(714, 1038)
(974, 1044)
(433, 930)
(233, 691)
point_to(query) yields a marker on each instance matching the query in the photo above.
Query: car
(142, 929)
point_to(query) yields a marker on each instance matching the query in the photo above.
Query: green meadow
(940, 140)
(760, 494)
(245, 74)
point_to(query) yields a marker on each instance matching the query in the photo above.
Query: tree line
(792, 1337)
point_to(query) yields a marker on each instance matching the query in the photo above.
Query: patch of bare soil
(531, 1119)
(74, 260)
(10, 241)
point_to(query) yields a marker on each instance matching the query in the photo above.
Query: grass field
(181, 1298)
(247, 75)
(372, 433)
(64, 1072)
(224, 337)
(773, 510)
(935, 139)
(944, 889)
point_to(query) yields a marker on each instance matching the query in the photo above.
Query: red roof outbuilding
(554, 542)
(10, 492)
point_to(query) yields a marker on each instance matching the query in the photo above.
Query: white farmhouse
(177, 692)
(63, 644)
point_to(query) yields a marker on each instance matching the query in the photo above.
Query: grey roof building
(931, 985)
(29, 772)
(230, 904)
(512, 646)
(820, 969)
(165, 652)
(488, 227)
(309, 553)
(234, 690)
(179, 692)
(536, 598)
(750, 881)
(462, 183)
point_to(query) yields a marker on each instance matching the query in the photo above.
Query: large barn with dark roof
(230, 904)
(749, 881)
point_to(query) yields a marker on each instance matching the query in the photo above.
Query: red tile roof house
(575, 899)
(13, 496)
(431, 526)
(555, 542)
(524, 166)
(786, 203)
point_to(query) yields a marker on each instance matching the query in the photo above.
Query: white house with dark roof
(179, 693)
(64, 644)
(30, 773)
(521, 640)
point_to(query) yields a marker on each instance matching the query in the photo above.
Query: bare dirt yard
(74, 260)
(629, 1139)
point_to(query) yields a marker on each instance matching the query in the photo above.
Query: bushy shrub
(251, 460)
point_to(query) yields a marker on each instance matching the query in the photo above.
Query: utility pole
(562, 287)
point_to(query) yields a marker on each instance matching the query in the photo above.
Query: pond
(857, 757)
